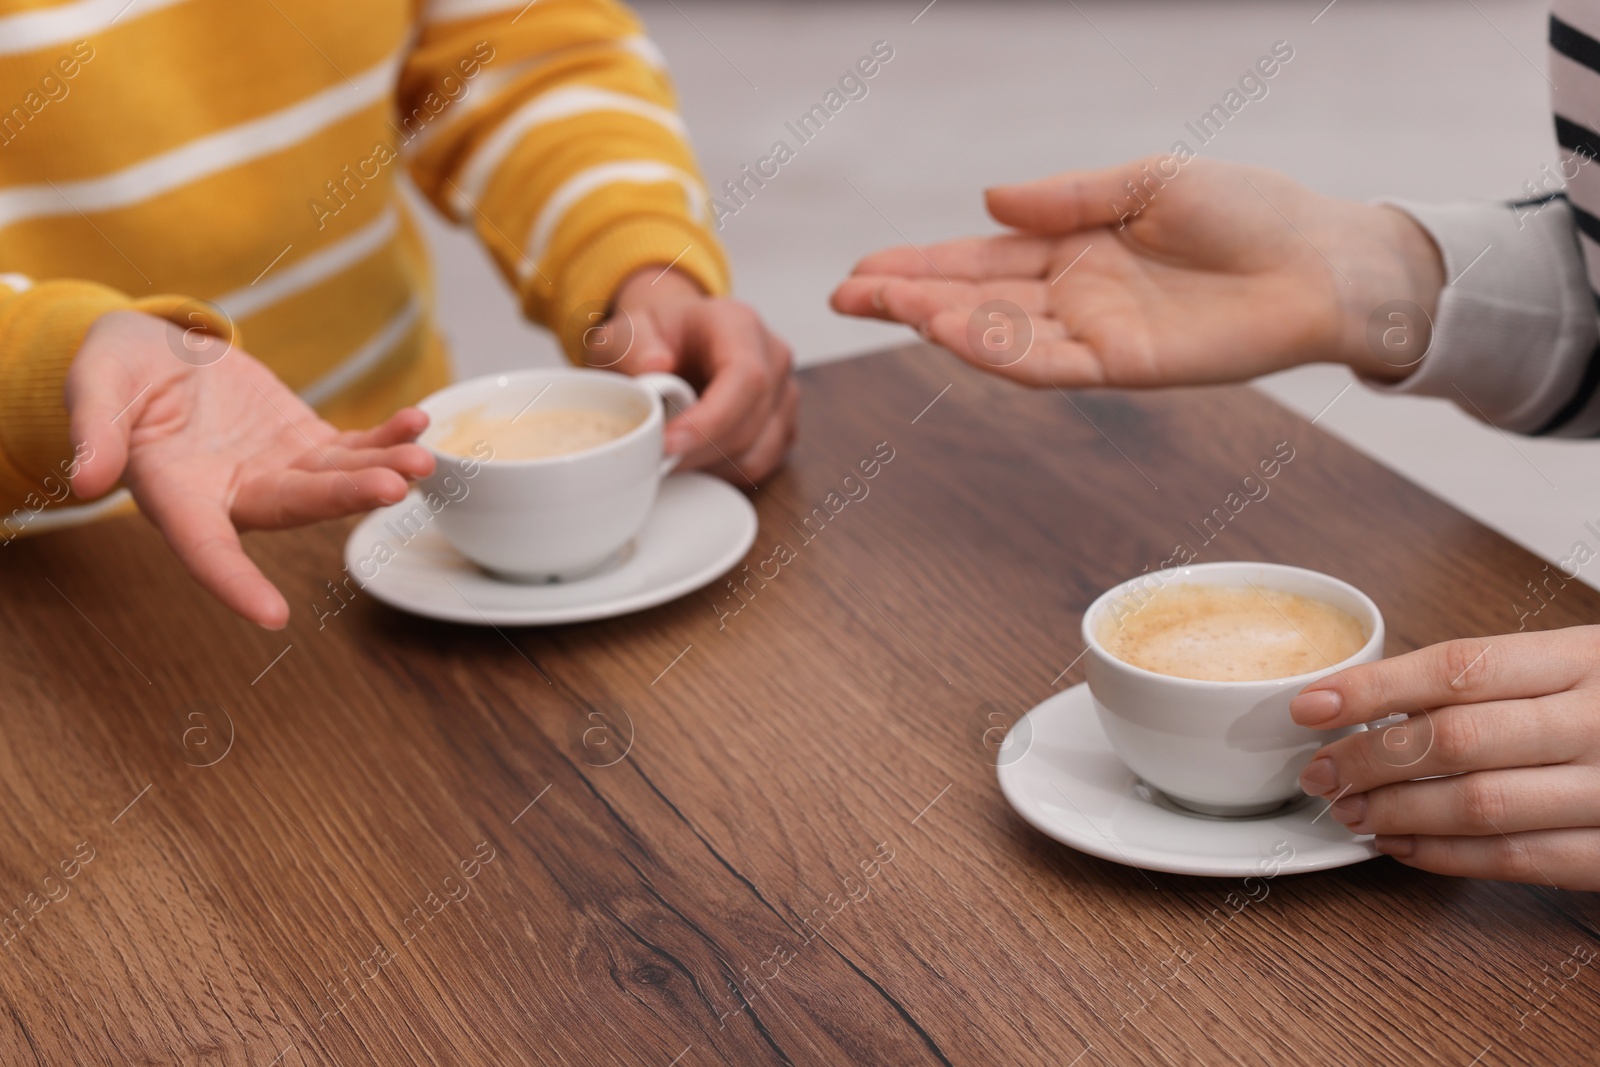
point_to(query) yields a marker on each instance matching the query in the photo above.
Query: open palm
(1220, 273)
(213, 449)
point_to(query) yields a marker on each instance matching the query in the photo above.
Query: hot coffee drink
(1229, 634)
(535, 433)
(1192, 671)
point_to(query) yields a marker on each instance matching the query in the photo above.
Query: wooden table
(693, 836)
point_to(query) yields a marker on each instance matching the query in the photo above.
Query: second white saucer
(698, 529)
(1058, 771)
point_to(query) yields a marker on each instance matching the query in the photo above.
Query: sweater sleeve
(42, 325)
(551, 129)
(1516, 327)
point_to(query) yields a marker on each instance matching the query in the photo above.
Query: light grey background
(1431, 99)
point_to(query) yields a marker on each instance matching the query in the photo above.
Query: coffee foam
(1223, 633)
(534, 434)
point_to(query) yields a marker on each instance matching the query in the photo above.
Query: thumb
(1080, 199)
(104, 404)
(644, 347)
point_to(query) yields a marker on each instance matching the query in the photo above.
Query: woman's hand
(209, 450)
(1497, 772)
(744, 422)
(1152, 273)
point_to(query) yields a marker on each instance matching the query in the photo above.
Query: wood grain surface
(756, 825)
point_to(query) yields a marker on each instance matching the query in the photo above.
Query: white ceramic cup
(1219, 748)
(560, 516)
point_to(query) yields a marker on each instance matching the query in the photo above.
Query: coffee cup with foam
(561, 466)
(1192, 669)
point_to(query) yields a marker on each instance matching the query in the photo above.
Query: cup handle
(673, 390)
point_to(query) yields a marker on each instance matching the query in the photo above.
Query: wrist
(1396, 274)
(655, 285)
(145, 346)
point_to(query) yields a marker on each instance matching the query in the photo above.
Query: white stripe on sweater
(549, 107)
(449, 10)
(482, 89)
(580, 185)
(30, 31)
(366, 358)
(312, 270)
(61, 518)
(1579, 91)
(645, 49)
(203, 156)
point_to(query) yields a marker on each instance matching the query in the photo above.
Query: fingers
(409, 461)
(912, 302)
(207, 544)
(1050, 358)
(284, 498)
(743, 421)
(863, 297)
(1078, 200)
(403, 427)
(1567, 859)
(634, 343)
(1453, 740)
(911, 285)
(916, 301)
(771, 445)
(1455, 672)
(1483, 803)
(771, 448)
(1008, 256)
(389, 445)
(878, 296)
(747, 370)
(1034, 350)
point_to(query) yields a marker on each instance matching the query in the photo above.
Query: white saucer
(1057, 769)
(698, 529)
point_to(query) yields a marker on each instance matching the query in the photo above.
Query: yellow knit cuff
(191, 314)
(590, 279)
(41, 331)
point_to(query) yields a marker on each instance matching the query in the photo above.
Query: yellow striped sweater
(245, 153)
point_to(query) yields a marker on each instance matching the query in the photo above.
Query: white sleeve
(1515, 332)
